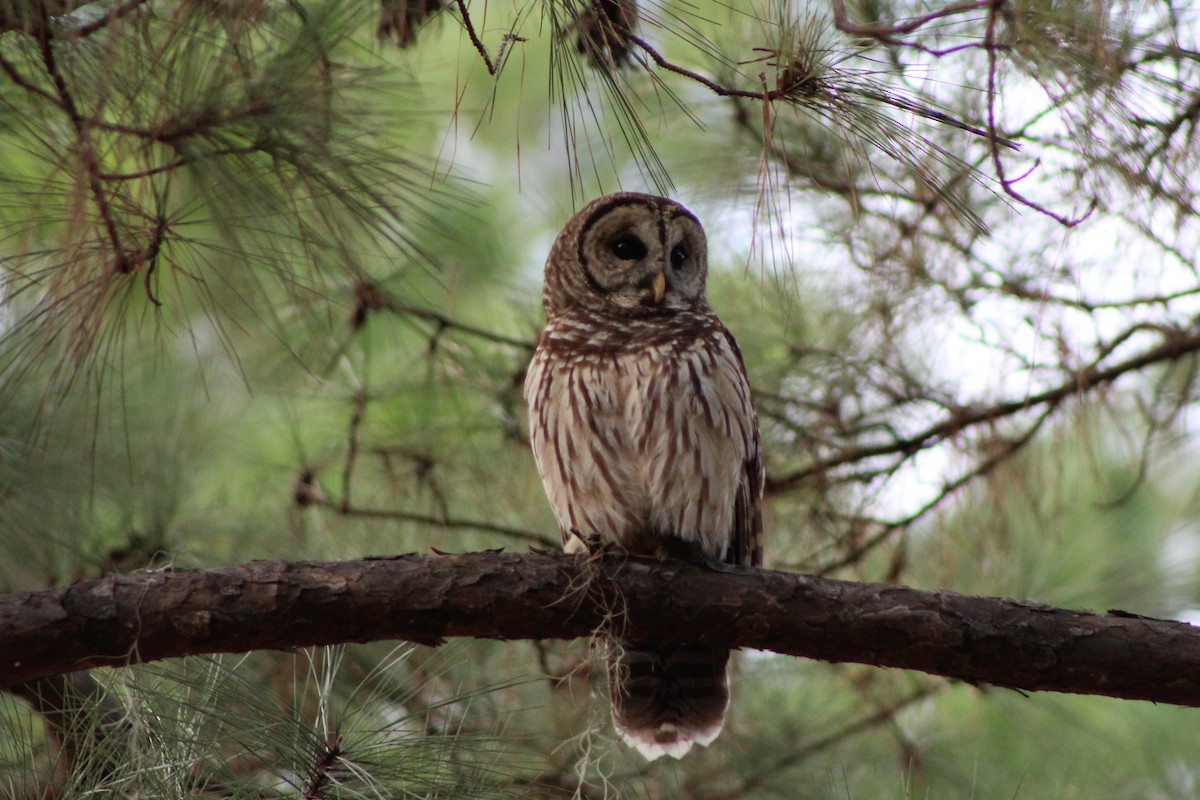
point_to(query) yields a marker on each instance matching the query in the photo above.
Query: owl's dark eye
(678, 256)
(628, 248)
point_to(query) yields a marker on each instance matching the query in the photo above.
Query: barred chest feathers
(637, 430)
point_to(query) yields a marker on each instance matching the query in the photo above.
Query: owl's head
(632, 254)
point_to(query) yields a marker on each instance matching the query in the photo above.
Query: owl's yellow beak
(659, 286)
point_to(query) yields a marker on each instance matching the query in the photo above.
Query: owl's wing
(745, 544)
(746, 548)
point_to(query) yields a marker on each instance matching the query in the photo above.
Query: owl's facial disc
(632, 253)
(626, 262)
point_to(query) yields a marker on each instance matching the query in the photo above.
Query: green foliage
(310, 725)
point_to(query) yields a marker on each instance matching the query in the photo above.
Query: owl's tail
(666, 698)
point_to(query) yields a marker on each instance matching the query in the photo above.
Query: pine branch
(146, 616)
(1173, 346)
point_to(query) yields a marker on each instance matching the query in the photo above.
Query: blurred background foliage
(271, 277)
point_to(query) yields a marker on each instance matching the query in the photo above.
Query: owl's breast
(686, 409)
(643, 439)
(581, 442)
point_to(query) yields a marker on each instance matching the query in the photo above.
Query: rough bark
(146, 616)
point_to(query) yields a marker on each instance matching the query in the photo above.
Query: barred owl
(646, 437)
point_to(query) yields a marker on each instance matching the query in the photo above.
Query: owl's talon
(591, 542)
(595, 547)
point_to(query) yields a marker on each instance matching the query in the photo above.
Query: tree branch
(1174, 345)
(1006, 183)
(146, 616)
(886, 32)
(431, 520)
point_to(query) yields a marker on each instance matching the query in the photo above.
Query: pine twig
(493, 66)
